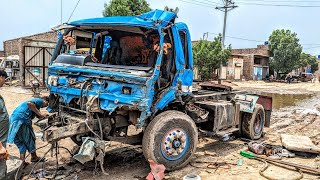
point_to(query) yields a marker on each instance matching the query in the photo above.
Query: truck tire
(252, 123)
(170, 139)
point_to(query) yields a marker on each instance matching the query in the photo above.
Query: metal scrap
(87, 151)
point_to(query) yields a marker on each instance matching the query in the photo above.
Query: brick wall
(248, 67)
(47, 36)
(2, 54)
(261, 50)
(11, 47)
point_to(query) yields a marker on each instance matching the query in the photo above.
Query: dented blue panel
(187, 78)
(108, 83)
(120, 75)
(166, 99)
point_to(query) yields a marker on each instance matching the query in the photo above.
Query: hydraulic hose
(100, 126)
(81, 93)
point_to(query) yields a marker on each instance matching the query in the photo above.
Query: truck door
(186, 66)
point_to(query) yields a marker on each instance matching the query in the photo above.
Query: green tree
(308, 60)
(208, 56)
(286, 50)
(125, 7)
(314, 65)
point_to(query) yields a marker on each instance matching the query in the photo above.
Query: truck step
(227, 131)
(219, 133)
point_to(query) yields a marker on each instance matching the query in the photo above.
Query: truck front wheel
(252, 124)
(170, 139)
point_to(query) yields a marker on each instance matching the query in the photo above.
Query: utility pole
(61, 12)
(228, 6)
(205, 36)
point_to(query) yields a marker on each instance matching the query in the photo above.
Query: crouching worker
(21, 132)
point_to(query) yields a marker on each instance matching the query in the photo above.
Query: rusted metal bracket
(57, 133)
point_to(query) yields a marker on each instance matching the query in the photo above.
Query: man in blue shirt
(4, 127)
(21, 132)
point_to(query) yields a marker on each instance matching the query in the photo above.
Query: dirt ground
(296, 111)
(277, 87)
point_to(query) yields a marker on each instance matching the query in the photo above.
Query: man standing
(289, 77)
(4, 127)
(21, 132)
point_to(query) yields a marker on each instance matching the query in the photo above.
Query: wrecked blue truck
(130, 79)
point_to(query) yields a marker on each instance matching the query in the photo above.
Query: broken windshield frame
(112, 47)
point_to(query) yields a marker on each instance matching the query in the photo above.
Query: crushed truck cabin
(107, 74)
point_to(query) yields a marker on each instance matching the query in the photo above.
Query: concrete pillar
(21, 60)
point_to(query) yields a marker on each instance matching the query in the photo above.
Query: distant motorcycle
(35, 87)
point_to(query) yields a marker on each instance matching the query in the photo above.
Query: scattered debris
(212, 165)
(277, 162)
(286, 153)
(299, 143)
(240, 162)
(228, 137)
(41, 173)
(210, 153)
(257, 148)
(157, 171)
(87, 151)
(13, 164)
(60, 177)
(191, 177)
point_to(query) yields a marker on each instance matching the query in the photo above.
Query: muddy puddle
(284, 100)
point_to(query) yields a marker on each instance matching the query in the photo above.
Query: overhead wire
(260, 3)
(278, 5)
(199, 4)
(214, 2)
(240, 38)
(211, 4)
(204, 3)
(74, 10)
(280, 1)
(313, 47)
(261, 41)
(208, 2)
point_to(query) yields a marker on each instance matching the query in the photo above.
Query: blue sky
(21, 18)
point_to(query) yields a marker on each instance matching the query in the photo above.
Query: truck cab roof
(152, 19)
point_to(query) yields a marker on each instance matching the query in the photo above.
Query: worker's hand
(3, 152)
(44, 116)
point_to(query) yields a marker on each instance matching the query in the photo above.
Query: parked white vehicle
(11, 65)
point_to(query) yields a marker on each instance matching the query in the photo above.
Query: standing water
(284, 100)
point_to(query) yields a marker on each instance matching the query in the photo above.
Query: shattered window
(77, 42)
(184, 42)
(130, 46)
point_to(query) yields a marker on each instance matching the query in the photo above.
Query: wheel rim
(258, 123)
(174, 144)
